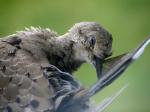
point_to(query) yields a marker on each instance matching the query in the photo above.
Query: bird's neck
(63, 54)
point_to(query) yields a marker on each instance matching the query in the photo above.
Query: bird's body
(22, 55)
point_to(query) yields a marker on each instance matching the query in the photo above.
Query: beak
(98, 64)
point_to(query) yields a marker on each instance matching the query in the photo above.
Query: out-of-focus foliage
(127, 20)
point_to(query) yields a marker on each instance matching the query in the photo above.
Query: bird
(25, 53)
(36, 67)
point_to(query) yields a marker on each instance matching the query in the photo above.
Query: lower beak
(98, 64)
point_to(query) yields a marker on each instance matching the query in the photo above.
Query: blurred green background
(127, 20)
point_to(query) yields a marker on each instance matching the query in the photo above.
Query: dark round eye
(92, 40)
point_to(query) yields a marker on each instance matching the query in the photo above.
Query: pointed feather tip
(141, 49)
(106, 102)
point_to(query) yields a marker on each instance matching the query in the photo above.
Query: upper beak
(98, 64)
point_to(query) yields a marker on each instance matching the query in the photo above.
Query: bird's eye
(92, 40)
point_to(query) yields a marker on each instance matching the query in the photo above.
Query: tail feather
(106, 102)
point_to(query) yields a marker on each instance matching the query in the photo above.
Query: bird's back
(22, 84)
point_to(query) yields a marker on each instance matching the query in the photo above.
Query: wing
(70, 96)
(23, 88)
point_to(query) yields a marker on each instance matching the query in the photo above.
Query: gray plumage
(36, 66)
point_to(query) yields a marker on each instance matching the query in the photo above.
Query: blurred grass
(127, 20)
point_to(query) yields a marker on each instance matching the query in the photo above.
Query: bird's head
(93, 43)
